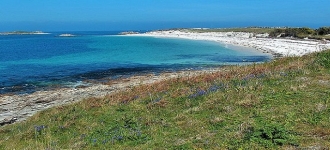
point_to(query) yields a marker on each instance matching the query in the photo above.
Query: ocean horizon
(30, 63)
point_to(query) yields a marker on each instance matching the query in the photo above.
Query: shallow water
(36, 62)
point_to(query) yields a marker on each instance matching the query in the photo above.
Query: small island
(67, 35)
(22, 33)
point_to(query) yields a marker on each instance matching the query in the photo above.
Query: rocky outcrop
(19, 107)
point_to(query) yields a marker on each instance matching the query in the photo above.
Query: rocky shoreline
(15, 108)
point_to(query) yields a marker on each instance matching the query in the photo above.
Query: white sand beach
(276, 46)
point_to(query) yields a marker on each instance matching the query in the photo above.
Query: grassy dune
(283, 104)
(274, 32)
(251, 30)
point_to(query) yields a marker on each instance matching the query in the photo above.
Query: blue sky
(92, 15)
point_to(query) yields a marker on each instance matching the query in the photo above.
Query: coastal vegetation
(303, 32)
(282, 104)
(257, 30)
(320, 33)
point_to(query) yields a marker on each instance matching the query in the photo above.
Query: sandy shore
(15, 108)
(278, 47)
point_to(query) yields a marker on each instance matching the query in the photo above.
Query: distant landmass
(128, 32)
(67, 35)
(22, 33)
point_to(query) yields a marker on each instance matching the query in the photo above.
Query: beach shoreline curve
(14, 108)
(278, 47)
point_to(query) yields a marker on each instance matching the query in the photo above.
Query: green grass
(283, 104)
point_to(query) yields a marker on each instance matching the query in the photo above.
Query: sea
(30, 63)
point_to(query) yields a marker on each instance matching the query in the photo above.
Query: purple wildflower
(250, 76)
(157, 100)
(198, 93)
(39, 128)
(283, 74)
(213, 88)
(94, 140)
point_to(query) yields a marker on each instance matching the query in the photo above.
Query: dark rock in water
(81, 86)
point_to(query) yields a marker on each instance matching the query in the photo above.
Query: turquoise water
(37, 62)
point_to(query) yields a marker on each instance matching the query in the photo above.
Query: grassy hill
(283, 104)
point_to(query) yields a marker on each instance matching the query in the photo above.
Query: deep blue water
(36, 62)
